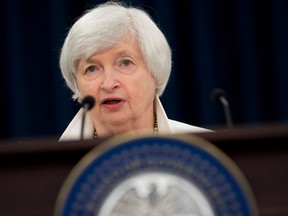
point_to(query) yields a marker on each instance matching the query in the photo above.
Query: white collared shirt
(165, 125)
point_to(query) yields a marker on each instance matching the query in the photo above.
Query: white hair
(102, 27)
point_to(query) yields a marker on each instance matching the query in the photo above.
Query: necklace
(155, 117)
(155, 122)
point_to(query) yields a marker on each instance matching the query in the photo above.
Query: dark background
(238, 45)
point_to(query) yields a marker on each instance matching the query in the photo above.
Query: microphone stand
(85, 109)
(225, 104)
(87, 104)
(218, 95)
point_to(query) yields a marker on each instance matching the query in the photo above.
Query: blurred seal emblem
(152, 194)
(155, 176)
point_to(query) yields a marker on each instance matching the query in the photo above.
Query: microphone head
(216, 94)
(88, 102)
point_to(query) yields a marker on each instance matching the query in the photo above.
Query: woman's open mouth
(111, 101)
(112, 104)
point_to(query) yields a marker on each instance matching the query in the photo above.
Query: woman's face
(122, 85)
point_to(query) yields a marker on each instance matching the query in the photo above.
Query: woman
(119, 56)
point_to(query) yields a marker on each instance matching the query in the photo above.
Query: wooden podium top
(224, 138)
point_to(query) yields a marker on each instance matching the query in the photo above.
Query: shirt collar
(73, 130)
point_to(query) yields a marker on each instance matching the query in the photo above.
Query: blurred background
(240, 46)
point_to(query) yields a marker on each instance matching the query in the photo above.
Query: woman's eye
(91, 69)
(91, 72)
(126, 63)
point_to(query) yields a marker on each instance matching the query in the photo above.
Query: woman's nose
(110, 80)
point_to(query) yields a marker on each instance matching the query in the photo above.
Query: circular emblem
(155, 176)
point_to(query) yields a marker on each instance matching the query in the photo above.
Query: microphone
(219, 96)
(87, 104)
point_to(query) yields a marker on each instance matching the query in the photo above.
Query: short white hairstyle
(102, 27)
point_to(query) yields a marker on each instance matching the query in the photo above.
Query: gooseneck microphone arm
(218, 95)
(87, 104)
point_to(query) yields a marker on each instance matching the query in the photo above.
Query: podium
(32, 171)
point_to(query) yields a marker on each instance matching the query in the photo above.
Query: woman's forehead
(125, 46)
